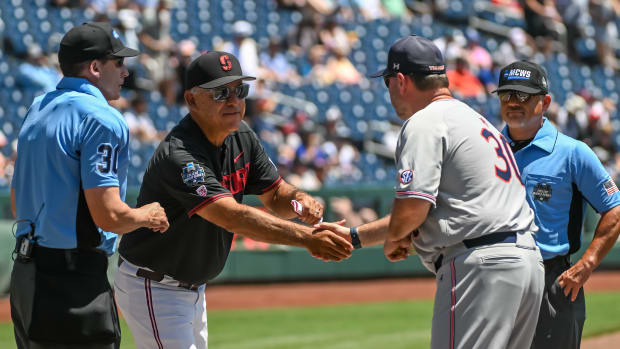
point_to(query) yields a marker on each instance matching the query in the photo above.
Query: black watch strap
(355, 238)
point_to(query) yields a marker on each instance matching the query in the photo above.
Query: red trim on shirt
(416, 193)
(273, 185)
(208, 201)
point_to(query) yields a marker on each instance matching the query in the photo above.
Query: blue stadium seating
(34, 21)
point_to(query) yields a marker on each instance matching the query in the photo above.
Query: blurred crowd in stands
(317, 51)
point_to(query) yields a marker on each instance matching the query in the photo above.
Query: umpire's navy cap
(413, 54)
(214, 69)
(92, 40)
(523, 76)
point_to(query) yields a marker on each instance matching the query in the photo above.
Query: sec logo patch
(406, 176)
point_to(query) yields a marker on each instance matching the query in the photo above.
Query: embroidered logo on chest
(542, 192)
(192, 174)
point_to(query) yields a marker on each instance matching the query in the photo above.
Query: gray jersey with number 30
(451, 156)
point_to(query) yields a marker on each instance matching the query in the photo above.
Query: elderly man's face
(224, 115)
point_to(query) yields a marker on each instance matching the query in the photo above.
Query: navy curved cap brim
(520, 88)
(225, 80)
(126, 52)
(380, 73)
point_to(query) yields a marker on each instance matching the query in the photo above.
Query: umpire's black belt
(489, 239)
(157, 276)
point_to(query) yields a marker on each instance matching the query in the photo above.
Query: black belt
(157, 276)
(82, 260)
(489, 239)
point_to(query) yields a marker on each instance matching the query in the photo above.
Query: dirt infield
(350, 292)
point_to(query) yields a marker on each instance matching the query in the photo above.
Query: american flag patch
(610, 187)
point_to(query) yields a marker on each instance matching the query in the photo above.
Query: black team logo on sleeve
(542, 192)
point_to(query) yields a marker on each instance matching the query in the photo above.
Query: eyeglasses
(522, 97)
(386, 79)
(223, 94)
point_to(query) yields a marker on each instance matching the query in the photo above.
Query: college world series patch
(542, 192)
(406, 176)
(192, 174)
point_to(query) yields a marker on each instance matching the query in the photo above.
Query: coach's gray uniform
(488, 295)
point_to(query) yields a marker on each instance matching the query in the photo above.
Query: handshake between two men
(335, 242)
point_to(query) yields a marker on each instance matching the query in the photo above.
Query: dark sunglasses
(522, 97)
(223, 94)
(386, 79)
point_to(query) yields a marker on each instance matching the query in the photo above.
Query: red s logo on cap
(226, 63)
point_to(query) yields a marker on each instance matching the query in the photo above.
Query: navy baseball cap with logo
(92, 40)
(413, 54)
(523, 76)
(214, 69)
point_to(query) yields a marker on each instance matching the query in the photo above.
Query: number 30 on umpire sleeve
(109, 158)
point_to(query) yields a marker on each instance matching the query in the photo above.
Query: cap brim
(380, 73)
(126, 52)
(225, 80)
(520, 88)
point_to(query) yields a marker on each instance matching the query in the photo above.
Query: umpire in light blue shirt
(560, 174)
(67, 195)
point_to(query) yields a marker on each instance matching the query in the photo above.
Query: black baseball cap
(523, 76)
(92, 40)
(413, 54)
(214, 69)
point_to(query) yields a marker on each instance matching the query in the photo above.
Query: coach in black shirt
(199, 174)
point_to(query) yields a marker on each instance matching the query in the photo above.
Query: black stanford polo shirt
(186, 173)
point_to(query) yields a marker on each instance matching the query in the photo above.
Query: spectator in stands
(141, 126)
(155, 37)
(462, 82)
(573, 119)
(477, 56)
(304, 177)
(36, 72)
(572, 13)
(603, 13)
(395, 8)
(340, 69)
(306, 34)
(334, 37)
(245, 48)
(543, 23)
(314, 67)
(452, 45)
(371, 9)
(183, 55)
(490, 76)
(274, 66)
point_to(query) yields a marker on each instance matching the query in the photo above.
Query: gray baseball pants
(489, 296)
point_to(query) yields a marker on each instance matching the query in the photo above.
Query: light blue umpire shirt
(71, 140)
(561, 174)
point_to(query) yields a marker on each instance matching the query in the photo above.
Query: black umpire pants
(62, 299)
(560, 322)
